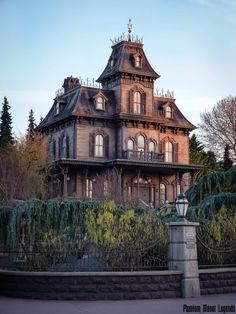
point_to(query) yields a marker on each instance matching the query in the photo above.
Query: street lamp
(181, 205)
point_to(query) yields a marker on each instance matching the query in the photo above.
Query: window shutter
(91, 144)
(59, 147)
(176, 148)
(106, 146)
(144, 103)
(160, 148)
(67, 147)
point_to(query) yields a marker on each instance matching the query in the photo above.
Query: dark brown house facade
(119, 139)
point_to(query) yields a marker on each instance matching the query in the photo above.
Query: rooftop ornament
(128, 37)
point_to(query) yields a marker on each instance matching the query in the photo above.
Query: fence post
(183, 255)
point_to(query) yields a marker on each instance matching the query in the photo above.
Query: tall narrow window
(130, 145)
(89, 188)
(59, 147)
(63, 155)
(100, 103)
(106, 189)
(138, 61)
(141, 146)
(57, 111)
(168, 112)
(151, 147)
(168, 152)
(137, 103)
(99, 146)
(162, 193)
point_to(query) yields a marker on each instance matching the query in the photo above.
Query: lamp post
(181, 206)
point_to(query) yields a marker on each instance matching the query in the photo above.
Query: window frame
(137, 102)
(99, 145)
(88, 188)
(161, 193)
(168, 112)
(169, 150)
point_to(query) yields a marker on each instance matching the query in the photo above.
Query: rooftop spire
(129, 30)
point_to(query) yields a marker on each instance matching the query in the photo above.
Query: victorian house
(117, 137)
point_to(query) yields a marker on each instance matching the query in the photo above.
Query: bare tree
(218, 127)
(23, 170)
(107, 185)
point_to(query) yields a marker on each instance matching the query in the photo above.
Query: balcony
(141, 155)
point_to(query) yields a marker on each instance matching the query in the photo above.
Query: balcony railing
(141, 155)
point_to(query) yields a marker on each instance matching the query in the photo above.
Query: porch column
(65, 183)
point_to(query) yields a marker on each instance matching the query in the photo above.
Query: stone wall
(91, 286)
(213, 281)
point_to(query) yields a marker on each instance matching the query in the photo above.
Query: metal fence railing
(209, 257)
(94, 258)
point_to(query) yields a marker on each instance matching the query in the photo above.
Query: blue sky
(190, 43)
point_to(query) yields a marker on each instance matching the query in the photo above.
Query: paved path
(160, 306)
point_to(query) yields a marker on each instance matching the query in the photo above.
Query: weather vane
(129, 30)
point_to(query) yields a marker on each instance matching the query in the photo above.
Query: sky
(190, 43)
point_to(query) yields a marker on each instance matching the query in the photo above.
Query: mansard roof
(179, 120)
(79, 101)
(121, 61)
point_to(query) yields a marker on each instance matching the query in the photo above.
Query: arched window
(168, 112)
(137, 103)
(100, 103)
(99, 146)
(162, 193)
(151, 147)
(141, 143)
(130, 145)
(138, 62)
(168, 152)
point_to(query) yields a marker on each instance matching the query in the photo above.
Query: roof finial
(129, 30)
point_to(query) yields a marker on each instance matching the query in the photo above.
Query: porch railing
(141, 155)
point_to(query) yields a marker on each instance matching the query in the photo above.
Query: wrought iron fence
(94, 258)
(209, 257)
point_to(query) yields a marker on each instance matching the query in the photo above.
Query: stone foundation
(91, 286)
(213, 281)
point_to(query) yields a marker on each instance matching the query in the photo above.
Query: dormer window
(137, 61)
(168, 112)
(111, 63)
(57, 108)
(100, 103)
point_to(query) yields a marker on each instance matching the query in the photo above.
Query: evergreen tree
(227, 162)
(31, 125)
(198, 155)
(5, 125)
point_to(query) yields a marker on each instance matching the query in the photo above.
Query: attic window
(100, 103)
(137, 61)
(168, 112)
(57, 108)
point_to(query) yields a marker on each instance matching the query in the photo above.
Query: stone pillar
(183, 255)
